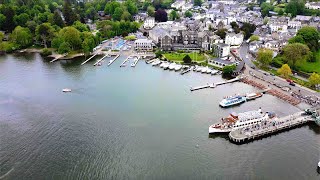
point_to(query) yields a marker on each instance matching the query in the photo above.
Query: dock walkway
(114, 59)
(213, 85)
(267, 128)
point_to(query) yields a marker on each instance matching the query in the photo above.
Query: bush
(7, 47)
(45, 52)
(277, 62)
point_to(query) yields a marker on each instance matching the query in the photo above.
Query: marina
(89, 125)
(114, 59)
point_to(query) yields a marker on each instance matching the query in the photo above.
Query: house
(143, 45)
(273, 45)
(278, 26)
(294, 24)
(313, 5)
(221, 50)
(149, 23)
(234, 39)
(218, 62)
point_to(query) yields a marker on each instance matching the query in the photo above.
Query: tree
(2, 21)
(248, 29)
(311, 37)
(64, 48)
(221, 33)
(32, 25)
(9, 13)
(174, 15)
(150, 11)
(131, 7)
(254, 38)
(161, 15)
(188, 14)
(1, 36)
(80, 26)
(117, 14)
(21, 19)
(295, 53)
(72, 36)
(264, 56)
(296, 39)
(197, 2)
(111, 7)
(69, 15)
(45, 32)
(187, 59)
(281, 12)
(314, 79)
(126, 16)
(228, 70)
(295, 7)
(22, 37)
(91, 13)
(265, 8)
(235, 27)
(57, 20)
(285, 71)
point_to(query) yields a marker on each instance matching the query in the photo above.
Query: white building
(313, 5)
(220, 62)
(278, 27)
(234, 39)
(143, 45)
(149, 23)
(294, 24)
(221, 50)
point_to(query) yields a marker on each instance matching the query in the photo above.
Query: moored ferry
(241, 120)
(232, 101)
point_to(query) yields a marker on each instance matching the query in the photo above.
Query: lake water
(134, 123)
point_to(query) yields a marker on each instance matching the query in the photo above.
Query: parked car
(265, 74)
(289, 80)
(292, 84)
(271, 74)
(253, 67)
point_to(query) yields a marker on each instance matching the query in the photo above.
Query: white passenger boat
(195, 68)
(209, 70)
(231, 101)
(236, 121)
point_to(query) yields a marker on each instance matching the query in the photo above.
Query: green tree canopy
(151, 11)
(254, 38)
(174, 15)
(131, 7)
(197, 2)
(64, 48)
(221, 33)
(295, 7)
(22, 37)
(264, 56)
(2, 21)
(248, 29)
(314, 79)
(111, 7)
(57, 20)
(295, 53)
(188, 14)
(285, 71)
(311, 37)
(71, 36)
(69, 15)
(45, 33)
(228, 70)
(117, 14)
(80, 26)
(21, 19)
(296, 39)
(126, 16)
(187, 59)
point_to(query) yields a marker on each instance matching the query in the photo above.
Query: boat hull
(213, 130)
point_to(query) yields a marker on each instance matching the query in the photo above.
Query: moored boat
(172, 66)
(231, 101)
(252, 96)
(178, 67)
(66, 90)
(236, 121)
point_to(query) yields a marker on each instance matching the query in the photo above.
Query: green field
(310, 67)
(178, 57)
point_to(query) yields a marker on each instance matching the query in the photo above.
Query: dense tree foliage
(174, 15)
(314, 79)
(248, 29)
(310, 36)
(161, 15)
(187, 59)
(197, 2)
(235, 27)
(188, 14)
(228, 70)
(151, 11)
(264, 56)
(285, 71)
(221, 33)
(295, 53)
(21, 36)
(295, 7)
(265, 8)
(115, 28)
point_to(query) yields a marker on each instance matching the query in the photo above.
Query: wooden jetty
(250, 133)
(114, 59)
(213, 85)
(124, 62)
(101, 59)
(187, 70)
(58, 57)
(135, 62)
(90, 58)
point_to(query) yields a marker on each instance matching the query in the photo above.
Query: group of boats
(235, 100)
(177, 67)
(133, 64)
(236, 121)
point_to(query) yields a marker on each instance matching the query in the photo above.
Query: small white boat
(156, 62)
(204, 70)
(195, 68)
(209, 70)
(132, 65)
(166, 65)
(199, 69)
(172, 66)
(66, 90)
(178, 67)
(213, 72)
(163, 64)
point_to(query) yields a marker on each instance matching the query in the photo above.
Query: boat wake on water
(6, 174)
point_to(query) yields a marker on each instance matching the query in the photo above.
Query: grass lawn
(178, 57)
(311, 67)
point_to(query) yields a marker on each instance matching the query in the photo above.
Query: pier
(114, 59)
(98, 53)
(135, 62)
(124, 62)
(57, 57)
(213, 85)
(101, 59)
(268, 128)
